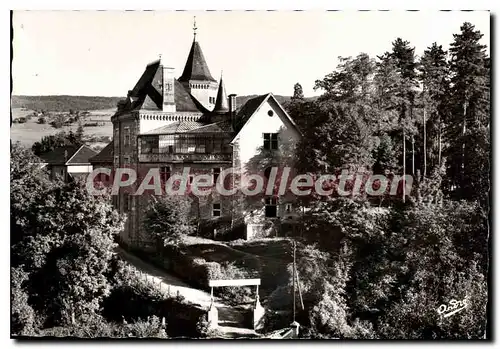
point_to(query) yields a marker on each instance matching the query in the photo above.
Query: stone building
(173, 123)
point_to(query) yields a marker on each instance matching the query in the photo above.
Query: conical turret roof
(196, 67)
(221, 103)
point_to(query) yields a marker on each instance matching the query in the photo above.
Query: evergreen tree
(79, 133)
(298, 94)
(468, 122)
(434, 74)
(404, 57)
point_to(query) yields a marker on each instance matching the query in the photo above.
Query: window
(149, 144)
(216, 172)
(117, 159)
(288, 208)
(116, 135)
(271, 207)
(166, 144)
(126, 137)
(270, 141)
(270, 113)
(216, 210)
(164, 173)
(126, 160)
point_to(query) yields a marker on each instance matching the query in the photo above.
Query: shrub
(167, 218)
(42, 120)
(58, 122)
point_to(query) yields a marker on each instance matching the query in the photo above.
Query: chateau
(172, 123)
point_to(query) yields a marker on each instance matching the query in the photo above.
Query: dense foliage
(61, 139)
(168, 218)
(381, 269)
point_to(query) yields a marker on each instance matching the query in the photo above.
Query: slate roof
(221, 103)
(71, 154)
(146, 94)
(247, 110)
(105, 155)
(196, 67)
(82, 156)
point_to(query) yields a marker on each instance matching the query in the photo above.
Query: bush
(22, 314)
(224, 230)
(168, 218)
(42, 120)
(98, 327)
(58, 122)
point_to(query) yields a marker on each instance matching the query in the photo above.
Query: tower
(196, 77)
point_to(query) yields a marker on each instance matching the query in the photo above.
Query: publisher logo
(452, 308)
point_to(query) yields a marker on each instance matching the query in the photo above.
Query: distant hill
(82, 103)
(64, 103)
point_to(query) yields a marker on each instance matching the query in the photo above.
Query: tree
(51, 142)
(79, 133)
(63, 238)
(350, 82)
(295, 106)
(22, 314)
(404, 59)
(468, 124)
(168, 218)
(434, 74)
(298, 94)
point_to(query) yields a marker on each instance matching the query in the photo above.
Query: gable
(263, 113)
(82, 156)
(60, 155)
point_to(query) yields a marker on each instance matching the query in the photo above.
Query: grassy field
(31, 131)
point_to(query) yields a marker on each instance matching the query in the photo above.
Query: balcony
(185, 148)
(192, 157)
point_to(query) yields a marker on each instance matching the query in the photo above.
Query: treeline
(382, 268)
(64, 103)
(424, 116)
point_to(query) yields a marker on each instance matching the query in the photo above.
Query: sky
(103, 53)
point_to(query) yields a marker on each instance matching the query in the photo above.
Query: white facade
(251, 136)
(79, 168)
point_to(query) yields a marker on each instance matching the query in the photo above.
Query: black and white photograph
(212, 175)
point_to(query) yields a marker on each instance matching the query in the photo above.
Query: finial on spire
(194, 27)
(159, 56)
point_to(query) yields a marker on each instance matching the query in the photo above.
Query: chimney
(232, 107)
(168, 89)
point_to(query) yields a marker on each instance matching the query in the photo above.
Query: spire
(221, 104)
(196, 67)
(194, 28)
